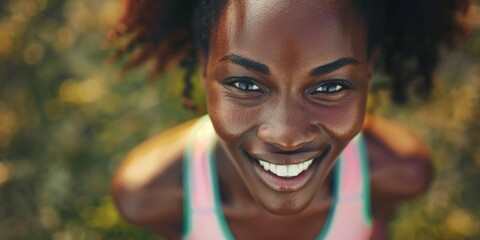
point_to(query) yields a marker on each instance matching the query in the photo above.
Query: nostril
(287, 138)
(289, 146)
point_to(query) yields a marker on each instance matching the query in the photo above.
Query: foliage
(67, 118)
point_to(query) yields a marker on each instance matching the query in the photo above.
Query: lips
(286, 173)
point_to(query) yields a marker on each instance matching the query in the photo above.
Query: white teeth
(301, 167)
(273, 168)
(266, 167)
(305, 165)
(291, 170)
(282, 170)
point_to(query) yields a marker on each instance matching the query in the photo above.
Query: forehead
(291, 32)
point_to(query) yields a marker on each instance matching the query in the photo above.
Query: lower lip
(290, 184)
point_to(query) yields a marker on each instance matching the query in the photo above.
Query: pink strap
(201, 174)
(204, 221)
(349, 214)
(351, 170)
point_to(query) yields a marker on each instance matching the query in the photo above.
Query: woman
(284, 152)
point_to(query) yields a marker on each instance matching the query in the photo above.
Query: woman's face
(286, 83)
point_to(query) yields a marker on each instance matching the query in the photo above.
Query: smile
(289, 173)
(286, 171)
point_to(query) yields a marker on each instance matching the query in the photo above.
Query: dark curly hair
(408, 31)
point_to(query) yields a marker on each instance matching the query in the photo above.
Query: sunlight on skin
(402, 144)
(169, 145)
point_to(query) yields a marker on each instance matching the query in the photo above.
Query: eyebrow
(247, 63)
(330, 67)
(262, 68)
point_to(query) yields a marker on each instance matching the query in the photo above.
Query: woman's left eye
(333, 87)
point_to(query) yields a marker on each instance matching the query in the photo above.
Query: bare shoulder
(147, 186)
(400, 163)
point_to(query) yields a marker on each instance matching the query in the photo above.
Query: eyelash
(244, 85)
(326, 87)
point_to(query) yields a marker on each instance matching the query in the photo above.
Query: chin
(284, 203)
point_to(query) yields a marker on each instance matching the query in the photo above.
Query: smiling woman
(284, 152)
(289, 120)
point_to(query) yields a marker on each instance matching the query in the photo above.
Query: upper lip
(286, 159)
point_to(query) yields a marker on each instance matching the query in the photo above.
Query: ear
(374, 57)
(203, 69)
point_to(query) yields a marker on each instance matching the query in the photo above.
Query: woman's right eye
(244, 85)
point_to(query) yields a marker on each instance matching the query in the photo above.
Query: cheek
(343, 122)
(231, 121)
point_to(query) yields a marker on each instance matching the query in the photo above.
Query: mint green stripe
(367, 212)
(336, 195)
(187, 188)
(216, 193)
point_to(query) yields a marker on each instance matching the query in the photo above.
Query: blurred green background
(67, 118)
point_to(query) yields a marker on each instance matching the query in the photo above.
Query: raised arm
(147, 187)
(401, 167)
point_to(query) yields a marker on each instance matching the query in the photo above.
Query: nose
(288, 129)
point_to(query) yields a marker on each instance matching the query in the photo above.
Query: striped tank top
(349, 217)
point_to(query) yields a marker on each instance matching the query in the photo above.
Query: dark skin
(284, 83)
